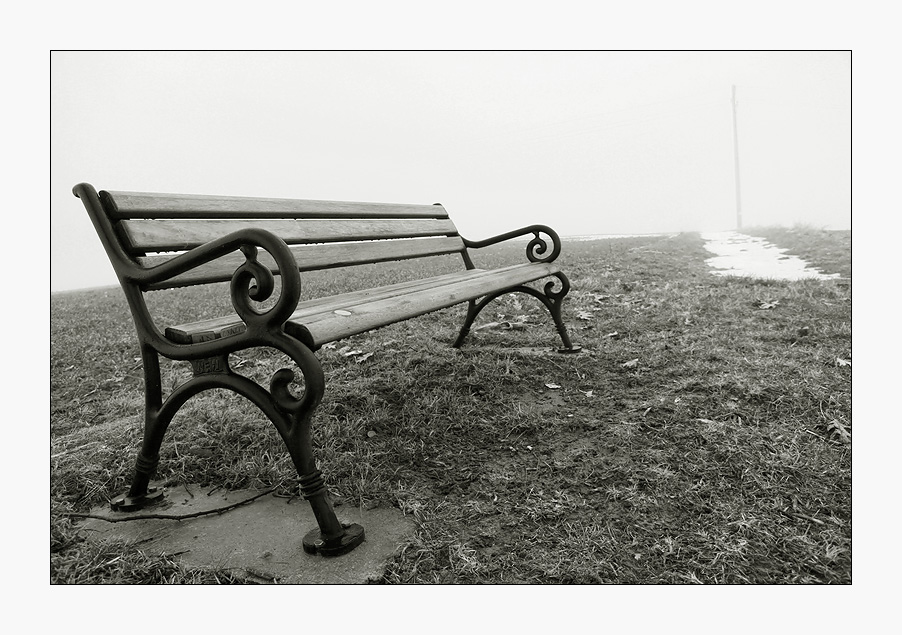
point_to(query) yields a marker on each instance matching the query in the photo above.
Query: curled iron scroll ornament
(254, 282)
(557, 296)
(251, 282)
(314, 381)
(537, 249)
(278, 386)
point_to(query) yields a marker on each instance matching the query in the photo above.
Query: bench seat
(323, 320)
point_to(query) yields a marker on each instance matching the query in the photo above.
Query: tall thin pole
(736, 164)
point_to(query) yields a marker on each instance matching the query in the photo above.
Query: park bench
(162, 241)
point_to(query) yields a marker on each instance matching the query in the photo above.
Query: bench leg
(140, 495)
(553, 300)
(331, 537)
(291, 416)
(157, 417)
(473, 309)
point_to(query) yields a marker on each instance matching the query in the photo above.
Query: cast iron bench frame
(159, 241)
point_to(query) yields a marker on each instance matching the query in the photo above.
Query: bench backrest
(150, 227)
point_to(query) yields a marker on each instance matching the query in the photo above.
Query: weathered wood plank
(154, 236)
(329, 326)
(306, 310)
(314, 257)
(123, 205)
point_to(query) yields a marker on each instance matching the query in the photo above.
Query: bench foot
(127, 503)
(570, 350)
(353, 536)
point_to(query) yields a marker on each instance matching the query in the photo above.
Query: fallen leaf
(585, 315)
(843, 362)
(631, 364)
(614, 334)
(552, 386)
(838, 429)
(765, 305)
(364, 357)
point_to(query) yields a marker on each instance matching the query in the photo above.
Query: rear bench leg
(157, 417)
(140, 495)
(553, 300)
(291, 416)
(473, 310)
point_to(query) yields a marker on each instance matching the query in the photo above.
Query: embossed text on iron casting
(208, 365)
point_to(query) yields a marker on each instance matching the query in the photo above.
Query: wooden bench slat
(314, 257)
(155, 236)
(354, 298)
(156, 205)
(123, 205)
(329, 326)
(371, 306)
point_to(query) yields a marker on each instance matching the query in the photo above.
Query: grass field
(702, 436)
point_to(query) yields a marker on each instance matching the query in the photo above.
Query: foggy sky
(586, 142)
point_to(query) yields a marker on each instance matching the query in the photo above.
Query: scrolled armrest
(242, 290)
(536, 247)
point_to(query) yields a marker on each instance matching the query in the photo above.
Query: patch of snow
(749, 256)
